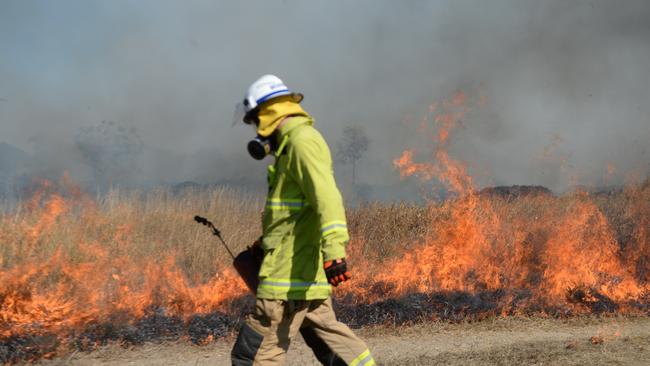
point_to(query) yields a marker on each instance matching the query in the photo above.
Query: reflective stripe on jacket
(304, 219)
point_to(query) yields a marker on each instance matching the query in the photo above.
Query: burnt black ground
(453, 306)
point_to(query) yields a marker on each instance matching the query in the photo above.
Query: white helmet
(265, 88)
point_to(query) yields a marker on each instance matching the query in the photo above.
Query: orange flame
(541, 245)
(74, 284)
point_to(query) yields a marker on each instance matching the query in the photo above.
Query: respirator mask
(260, 146)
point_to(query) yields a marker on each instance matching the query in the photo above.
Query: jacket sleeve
(311, 166)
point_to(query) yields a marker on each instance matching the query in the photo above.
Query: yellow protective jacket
(304, 219)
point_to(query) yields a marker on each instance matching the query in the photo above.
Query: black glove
(248, 263)
(336, 271)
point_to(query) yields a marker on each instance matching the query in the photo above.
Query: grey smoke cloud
(174, 70)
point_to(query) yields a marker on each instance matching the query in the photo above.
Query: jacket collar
(291, 124)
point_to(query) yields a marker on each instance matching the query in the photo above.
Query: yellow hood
(271, 114)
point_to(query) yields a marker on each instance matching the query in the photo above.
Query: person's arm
(312, 168)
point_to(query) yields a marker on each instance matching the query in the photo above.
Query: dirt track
(589, 341)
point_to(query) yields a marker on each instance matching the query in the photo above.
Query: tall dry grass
(145, 226)
(149, 226)
(153, 226)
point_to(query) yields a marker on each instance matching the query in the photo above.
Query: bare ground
(503, 341)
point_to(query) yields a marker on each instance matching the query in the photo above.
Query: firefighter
(303, 241)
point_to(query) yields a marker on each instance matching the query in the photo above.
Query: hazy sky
(571, 77)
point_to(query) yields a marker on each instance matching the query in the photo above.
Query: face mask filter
(259, 148)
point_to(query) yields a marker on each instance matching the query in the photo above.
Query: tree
(110, 150)
(351, 147)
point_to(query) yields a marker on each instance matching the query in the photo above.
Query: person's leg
(265, 336)
(339, 339)
(322, 351)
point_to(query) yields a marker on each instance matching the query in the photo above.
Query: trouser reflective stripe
(364, 359)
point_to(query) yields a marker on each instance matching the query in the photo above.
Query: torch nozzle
(201, 220)
(215, 231)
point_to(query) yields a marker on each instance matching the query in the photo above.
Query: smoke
(174, 70)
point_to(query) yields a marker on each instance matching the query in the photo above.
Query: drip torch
(247, 263)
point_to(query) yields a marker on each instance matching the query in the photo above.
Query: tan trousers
(265, 337)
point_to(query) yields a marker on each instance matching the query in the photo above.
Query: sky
(566, 85)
